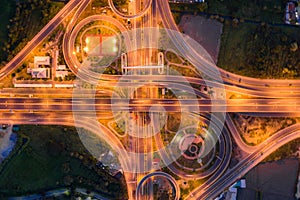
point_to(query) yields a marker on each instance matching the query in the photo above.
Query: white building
(41, 60)
(61, 67)
(36, 70)
(40, 73)
(61, 74)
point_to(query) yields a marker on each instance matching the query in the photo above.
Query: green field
(233, 52)
(271, 11)
(255, 41)
(48, 161)
(262, 51)
(6, 12)
(7, 9)
(24, 21)
(289, 150)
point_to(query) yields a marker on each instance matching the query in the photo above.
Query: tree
(294, 46)
(68, 180)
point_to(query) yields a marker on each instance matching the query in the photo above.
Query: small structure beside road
(292, 13)
(40, 67)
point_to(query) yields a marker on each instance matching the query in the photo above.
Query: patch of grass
(286, 151)
(55, 157)
(232, 51)
(27, 20)
(179, 9)
(191, 186)
(261, 51)
(270, 11)
(187, 7)
(99, 3)
(7, 9)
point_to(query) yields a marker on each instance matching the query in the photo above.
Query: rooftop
(41, 60)
(40, 73)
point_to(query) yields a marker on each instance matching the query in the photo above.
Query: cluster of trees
(187, 7)
(260, 10)
(69, 77)
(178, 10)
(103, 3)
(30, 16)
(99, 3)
(110, 70)
(71, 145)
(120, 2)
(105, 183)
(75, 166)
(286, 151)
(272, 53)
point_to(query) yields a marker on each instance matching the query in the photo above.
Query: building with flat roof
(41, 60)
(32, 85)
(61, 74)
(40, 73)
(61, 67)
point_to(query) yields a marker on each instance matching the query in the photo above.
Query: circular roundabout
(202, 152)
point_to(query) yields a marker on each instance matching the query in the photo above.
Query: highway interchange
(17, 107)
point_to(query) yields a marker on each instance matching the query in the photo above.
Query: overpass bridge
(147, 105)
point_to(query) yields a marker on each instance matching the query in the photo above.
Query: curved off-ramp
(159, 174)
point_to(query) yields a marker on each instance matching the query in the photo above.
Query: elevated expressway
(143, 105)
(285, 101)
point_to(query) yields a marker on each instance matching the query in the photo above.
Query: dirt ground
(205, 31)
(255, 130)
(271, 180)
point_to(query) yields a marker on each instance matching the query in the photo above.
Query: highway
(61, 118)
(260, 91)
(263, 96)
(143, 105)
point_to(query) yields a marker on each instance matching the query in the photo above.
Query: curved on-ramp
(159, 174)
